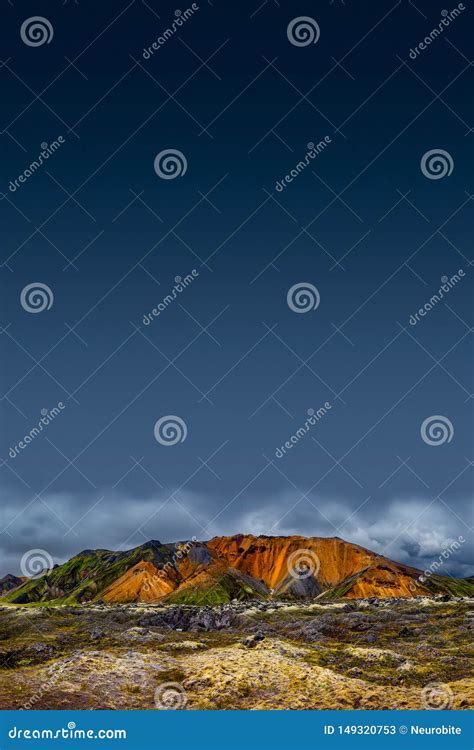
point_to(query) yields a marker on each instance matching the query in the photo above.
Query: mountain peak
(151, 544)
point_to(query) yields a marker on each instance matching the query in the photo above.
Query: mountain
(9, 582)
(228, 568)
(87, 574)
(142, 583)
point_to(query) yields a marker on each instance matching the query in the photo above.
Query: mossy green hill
(85, 575)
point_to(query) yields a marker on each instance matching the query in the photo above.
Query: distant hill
(227, 568)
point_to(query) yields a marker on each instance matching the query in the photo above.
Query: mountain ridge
(224, 568)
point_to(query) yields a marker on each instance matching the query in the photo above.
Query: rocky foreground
(364, 654)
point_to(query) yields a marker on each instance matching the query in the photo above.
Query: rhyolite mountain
(232, 568)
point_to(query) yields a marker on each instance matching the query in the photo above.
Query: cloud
(414, 531)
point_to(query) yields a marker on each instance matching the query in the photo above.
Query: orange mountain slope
(142, 583)
(384, 581)
(270, 558)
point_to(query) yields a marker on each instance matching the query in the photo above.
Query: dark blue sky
(228, 356)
